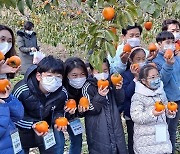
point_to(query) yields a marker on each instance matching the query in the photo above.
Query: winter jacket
(129, 88)
(170, 75)
(25, 42)
(38, 106)
(10, 112)
(144, 121)
(104, 129)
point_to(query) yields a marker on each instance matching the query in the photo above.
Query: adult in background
(27, 44)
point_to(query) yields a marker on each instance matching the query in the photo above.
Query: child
(43, 97)
(170, 75)
(103, 123)
(74, 79)
(11, 110)
(148, 139)
(130, 76)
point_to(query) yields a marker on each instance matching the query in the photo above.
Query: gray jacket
(25, 43)
(144, 121)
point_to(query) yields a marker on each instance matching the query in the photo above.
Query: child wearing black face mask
(43, 97)
(150, 127)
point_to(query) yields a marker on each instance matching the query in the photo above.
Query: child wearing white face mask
(43, 97)
(74, 78)
(7, 47)
(169, 69)
(104, 129)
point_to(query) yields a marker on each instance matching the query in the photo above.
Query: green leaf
(110, 36)
(161, 2)
(29, 4)
(92, 29)
(130, 2)
(96, 61)
(47, 7)
(156, 13)
(129, 18)
(144, 4)
(20, 5)
(151, 8)
(132, 10)
(55, 2)
(110, 49)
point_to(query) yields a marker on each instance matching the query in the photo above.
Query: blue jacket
(170, 75)
(10, 112)
(129, 88)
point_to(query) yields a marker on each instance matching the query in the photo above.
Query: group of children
(46, 87)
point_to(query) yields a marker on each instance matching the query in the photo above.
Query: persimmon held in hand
(14, 61)
(159, 106)
(3, 84)
(61, 121)
(2, 57)
(148, 25)
(103, 83)
(71, 104)
(42, 126)
(172, 106)
(84, 102)
(177, 47)
(152, 47)
(108, 13)
(127, 48)
(169, 54)
(116, 78)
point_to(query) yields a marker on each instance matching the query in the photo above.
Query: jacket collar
(142, 89)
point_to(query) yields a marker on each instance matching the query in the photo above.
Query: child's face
(105, 69)
(140, 57)
(152, 76)
(174, 28)
(76, 73)
(167, 44)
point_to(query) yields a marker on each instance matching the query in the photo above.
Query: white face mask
(134, 42)
(29, 32)
(77, 82)
(142, 64)
(176, 36)
(101, 76)
(5, 47)
(169, 46)
(51, 84)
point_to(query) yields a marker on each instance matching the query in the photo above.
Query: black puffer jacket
(25, 43)
(103, 123)
(37, 106)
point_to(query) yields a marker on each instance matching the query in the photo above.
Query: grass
(84, 144)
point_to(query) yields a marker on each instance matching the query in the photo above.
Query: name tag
(77, 127)
(49, 140)
(161, 135)
(16, 142)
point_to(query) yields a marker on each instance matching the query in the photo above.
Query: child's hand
(156, 113)
(119, 85)
(37, 133)
(70, 111)
(61, 128)
(82, 109)
(7, 92)
(170, 61)
(103, 92)
(135, 71)
(152, 55)
(2, 101)
(171, 112)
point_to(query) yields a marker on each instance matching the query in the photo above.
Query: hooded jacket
(38, 106)
(145, 122)
(25, 42)
(11, 111)
(103, 123)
